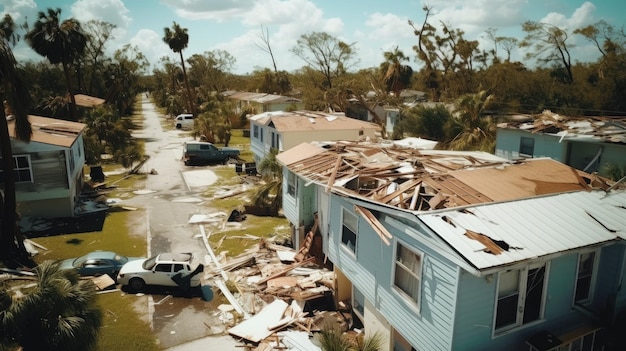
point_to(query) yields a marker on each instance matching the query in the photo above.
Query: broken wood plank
(256, 328)
(331, 179)
(286, 270)
(382, 232)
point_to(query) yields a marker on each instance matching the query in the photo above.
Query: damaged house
(443, 250)
(588, 143)
(49, 168)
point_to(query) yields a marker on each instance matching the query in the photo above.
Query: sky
(372, 26)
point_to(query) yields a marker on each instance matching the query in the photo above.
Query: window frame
(520, 306)
(593, 275)
(18, 171)
(526, 144)
(353, 232)
(291, 183)
(414, 302)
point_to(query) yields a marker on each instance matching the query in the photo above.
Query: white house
(49, 168)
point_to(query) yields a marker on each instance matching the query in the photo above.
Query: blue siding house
(443, 250)
(591, 144)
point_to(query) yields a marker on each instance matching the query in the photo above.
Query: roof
(491, 211)
(501, 234)
(51, 130)
(262, 98)
(311, 120)
(88, 101)
(590, 129)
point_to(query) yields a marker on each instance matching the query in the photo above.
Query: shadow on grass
(37, 228)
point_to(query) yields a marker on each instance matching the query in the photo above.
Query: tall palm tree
(16, 98)
(58, 313)
(177, 39)
(396, 75)
(60, 42)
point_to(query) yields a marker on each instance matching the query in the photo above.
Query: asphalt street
(182, 322)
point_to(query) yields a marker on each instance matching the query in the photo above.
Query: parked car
(199, 152)
(97, 263)
(164, 269)
(184, 121)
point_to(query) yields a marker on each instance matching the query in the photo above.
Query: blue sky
(375, 26)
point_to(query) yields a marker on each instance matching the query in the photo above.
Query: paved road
(170, 198)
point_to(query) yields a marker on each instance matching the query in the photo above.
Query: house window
(526, 147)
(358, 303)
(408, 272)
(585, 277)
(349, 230)
(255, 131)
(291, 183)
(274, 141)
(21, 169)
(521, 296)
(400, 343)
(261, 134)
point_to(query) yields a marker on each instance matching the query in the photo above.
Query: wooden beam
(382, 232)
(331, 179)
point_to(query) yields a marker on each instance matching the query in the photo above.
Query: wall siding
(508, 142)
(371, 271)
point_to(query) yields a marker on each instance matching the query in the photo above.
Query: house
(262, 102)
(588, 143)
(284, 130)
(49, 168)
(445, 250)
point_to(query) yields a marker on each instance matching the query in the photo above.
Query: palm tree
(473, 130)
(60, 42)
(16, 99)
(396, 75)
(177, 39)
(270, 194)
(59, 313)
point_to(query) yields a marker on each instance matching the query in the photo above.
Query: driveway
(171, 196)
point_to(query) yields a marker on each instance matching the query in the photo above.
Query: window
(408, 272)
(255, 131)
(291, 183)
(527, 147)
(21, 169)
(349, 229)
(163, 267)
(274, 141)
(521, 296)
(585, 277)
(358, 303)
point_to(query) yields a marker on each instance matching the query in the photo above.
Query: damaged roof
(310, 120)
(51, 130)
(262, 98)
(591, 129)
(489, 210)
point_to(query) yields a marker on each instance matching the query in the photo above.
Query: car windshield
(149, 263)
(121, 259)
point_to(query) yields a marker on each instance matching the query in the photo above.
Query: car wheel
(136, 284)
(178, 126)
(230, 161)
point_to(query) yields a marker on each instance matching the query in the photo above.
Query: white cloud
(151, 45)
(20, 9)
(388, 26)
(217, 10)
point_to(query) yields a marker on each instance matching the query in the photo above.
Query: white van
(184, 121)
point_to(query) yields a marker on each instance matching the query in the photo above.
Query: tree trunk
(68, 82)
(11, 249)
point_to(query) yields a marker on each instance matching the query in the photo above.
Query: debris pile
(277, 290)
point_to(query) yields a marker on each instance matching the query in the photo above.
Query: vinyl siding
(371, 271)
(508, 143)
